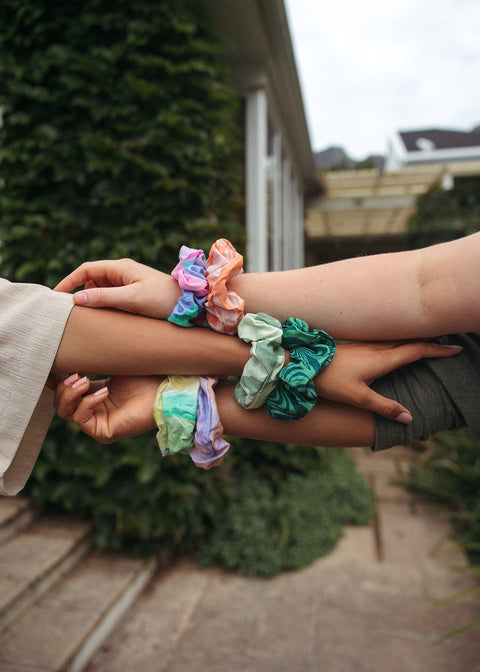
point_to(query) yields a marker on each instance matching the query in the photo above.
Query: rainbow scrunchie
(188, 422)
(175, 412)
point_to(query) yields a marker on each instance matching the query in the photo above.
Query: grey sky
(371, 67)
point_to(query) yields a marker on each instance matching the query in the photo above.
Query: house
(280, 170)
(367, 211)
(423, 147)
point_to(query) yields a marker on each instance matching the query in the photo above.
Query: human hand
(112, 409)
(124, 284)
(356, 365)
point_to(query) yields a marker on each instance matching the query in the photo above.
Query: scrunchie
(267, 357)
(209, 445)
(224, 308)
(188, 422)
(175, 412)
(190, 273)
(310, 352)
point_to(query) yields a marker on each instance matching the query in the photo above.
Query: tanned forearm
(327, 424)
(100, 341)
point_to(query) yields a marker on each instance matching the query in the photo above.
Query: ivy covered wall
(119, 136)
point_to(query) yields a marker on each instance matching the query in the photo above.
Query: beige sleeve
(32, 321)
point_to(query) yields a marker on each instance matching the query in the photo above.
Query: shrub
(450, 474)
(267, 529)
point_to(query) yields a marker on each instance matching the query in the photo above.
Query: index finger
(411, 352)
(104, 273)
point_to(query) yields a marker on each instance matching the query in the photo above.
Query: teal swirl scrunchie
(310, 352)
(267, 357)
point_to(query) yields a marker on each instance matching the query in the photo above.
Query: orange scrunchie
(224, 309)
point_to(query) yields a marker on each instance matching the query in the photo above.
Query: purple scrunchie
(209, 445)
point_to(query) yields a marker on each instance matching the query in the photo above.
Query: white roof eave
(260, 54)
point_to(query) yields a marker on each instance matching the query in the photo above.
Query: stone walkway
(368, 607)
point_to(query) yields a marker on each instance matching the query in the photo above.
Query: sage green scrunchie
(310, 352)
(267, 357)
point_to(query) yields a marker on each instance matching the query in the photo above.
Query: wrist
(168, 294)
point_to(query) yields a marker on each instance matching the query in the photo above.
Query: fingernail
(71, 379)
(79, 383)
(80, 298)
(456, 348)
(101, 392)
(406, 418)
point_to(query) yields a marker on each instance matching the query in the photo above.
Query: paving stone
(393, 579)
(36, 550)
(34, 560)
(50, 634)
(357, 543)
(442, 583)
(284, 624)
(213, 628)
(15, 668)
(400, 615)
(363, 649)
(46, 637)
(11, 507)
(155, 625)
(231, 591)
(411, 537)
(189, 661)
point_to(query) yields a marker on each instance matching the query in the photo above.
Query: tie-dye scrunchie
(188, 422)
(175, 412)
(190, 273)
(224, 308)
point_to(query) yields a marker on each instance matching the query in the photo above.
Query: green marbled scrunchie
(267, 357)
(310, 352)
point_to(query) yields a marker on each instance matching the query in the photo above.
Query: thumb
(376, 403)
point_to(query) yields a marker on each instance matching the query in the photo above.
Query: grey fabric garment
(441, 394)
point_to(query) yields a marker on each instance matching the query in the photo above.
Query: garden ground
(371, 605)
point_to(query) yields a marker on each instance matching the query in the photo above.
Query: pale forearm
(99, 341)
(414, 294)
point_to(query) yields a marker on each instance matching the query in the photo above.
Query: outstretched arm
(116, 342)
(99, 341)
(128, 412)
(413, 294)
(403, 295)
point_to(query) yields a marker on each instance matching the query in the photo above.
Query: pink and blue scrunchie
(190, 273)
